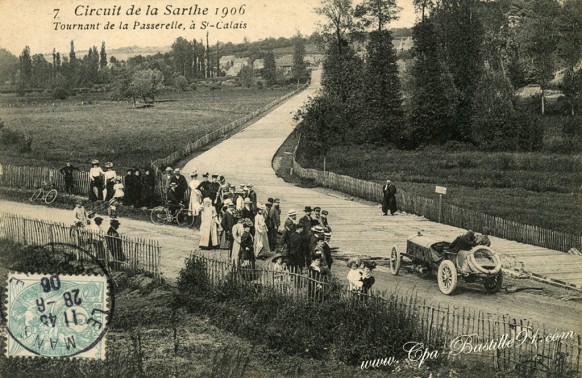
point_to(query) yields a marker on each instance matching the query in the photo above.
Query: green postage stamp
(56, 315)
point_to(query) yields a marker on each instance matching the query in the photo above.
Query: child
(355, 275)
(367, 277)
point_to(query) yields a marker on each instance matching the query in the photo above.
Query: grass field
(113, 131)
(542, 189)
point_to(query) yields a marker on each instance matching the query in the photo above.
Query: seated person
(483, 239)
(462, 245)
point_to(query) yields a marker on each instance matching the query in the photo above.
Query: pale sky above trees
(30, 22)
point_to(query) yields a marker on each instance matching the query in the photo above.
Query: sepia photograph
(307, 188)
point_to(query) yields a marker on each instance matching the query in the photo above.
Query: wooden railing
(451, 214)
(32, 177)
(118, 253)
(534, 348)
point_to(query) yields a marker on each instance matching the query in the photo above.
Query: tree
(8, 65)
(58, 87)
(571, 86)
(382, 96)
(103, 57)
(146, 84)
(269, 73)
(180, 82)
(183, 57)
(25, 69)
(459, 25)
(434, 96)
(299, 69)
(247, 76)
(41, 71)
(377, 13)
(493, 112)
(72, 55)
(570, 29)
(340, 20)
(342, 73)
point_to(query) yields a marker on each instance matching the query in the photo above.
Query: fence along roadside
(451, 214)
(141, 255)
(436, 324)
(29, 177)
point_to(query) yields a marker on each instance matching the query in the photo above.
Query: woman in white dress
(208, 225)
(261, 237)
(195, 194)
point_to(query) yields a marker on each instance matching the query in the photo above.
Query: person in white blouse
(109, 177)
(355, 275)
(96, 180)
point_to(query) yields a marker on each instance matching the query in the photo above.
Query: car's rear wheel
(493, 284)
(447, 277)
(395, 261)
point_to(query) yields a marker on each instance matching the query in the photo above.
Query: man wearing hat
(182, 187)
(166, 178)
(297, 253)
(247, 246)
(96, 181)
(173, 198)
(389, 199)
(324, 221)
(130, 198)
(214, 190)
(318, 272)
(227, 223)
(316, 220)
(252, 195)
(326, 249)
(271, 229)
(67, 172)
(315, 238)
(288, 228)
(115, 244)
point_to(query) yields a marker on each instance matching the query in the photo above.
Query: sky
(32, 22)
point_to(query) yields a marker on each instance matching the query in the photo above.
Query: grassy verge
(78, 131)
(541, 189)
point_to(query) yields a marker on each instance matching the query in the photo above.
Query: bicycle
(162, 215)
(46, 193)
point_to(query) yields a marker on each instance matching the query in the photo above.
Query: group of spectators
(134, 189)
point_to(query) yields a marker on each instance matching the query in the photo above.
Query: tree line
(468, 59)
(139, 76)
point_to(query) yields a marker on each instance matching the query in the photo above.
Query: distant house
(241, 62)
(233, 71)
(226, 62)
(259, 64)
(313, 59)
(285, 64)
(529, 91)
(402, 44)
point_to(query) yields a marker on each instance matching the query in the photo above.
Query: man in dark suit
(204, 186)
(389, 199)
(67, 172)
(182, 187)
(297, 253)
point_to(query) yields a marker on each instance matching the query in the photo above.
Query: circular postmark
(58, 315)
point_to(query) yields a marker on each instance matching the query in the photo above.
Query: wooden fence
(450, 214)
(534, 349)
(159, 164)
(118, 253)
(32, 177)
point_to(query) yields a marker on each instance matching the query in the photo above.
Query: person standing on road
(288, 229)
(109, 180)
(166, 179)
(182, 187)
(237, 232)
(115, 244)
(195, 202)
(297, 252)
(138, 187)
(208, 225)
(246, 246)
(227, 223)
(261, 237)
(149, 183)
(389, 199)
(67, 172)
(96, 181)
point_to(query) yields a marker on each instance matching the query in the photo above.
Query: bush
(298, 326)
(572, 126)
(193, 86)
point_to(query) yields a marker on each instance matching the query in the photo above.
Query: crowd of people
(134, 189)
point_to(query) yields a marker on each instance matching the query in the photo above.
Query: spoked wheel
(447, 277)
(51, 196)
(395, 261)
(185, 218)
(493, 284)
(37, 193)
(159, 215)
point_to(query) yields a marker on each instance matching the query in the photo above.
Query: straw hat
(247, 201)
(94, 161)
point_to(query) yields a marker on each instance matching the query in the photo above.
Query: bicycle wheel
(37, 193)
(51, 196)
(185, 218)
(159, 215)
